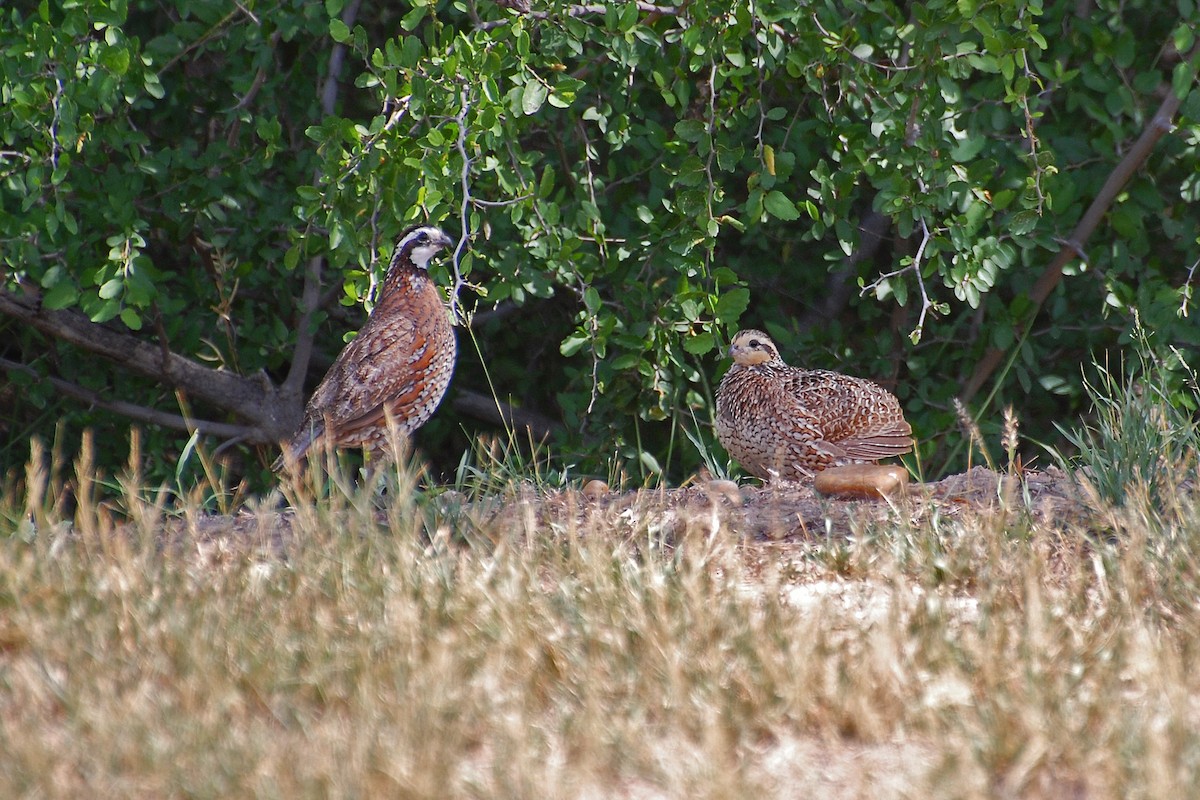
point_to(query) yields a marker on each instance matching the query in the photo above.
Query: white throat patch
(428, 241)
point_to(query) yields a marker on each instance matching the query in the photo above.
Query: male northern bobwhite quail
(780, 421)
(398, 366)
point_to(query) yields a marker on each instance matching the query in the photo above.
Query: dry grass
(426, 647)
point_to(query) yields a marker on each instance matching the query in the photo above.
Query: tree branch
(253, 399)
(310, 301)
(498, 412)
(1158, 126)
(150, 416)
(310, 296)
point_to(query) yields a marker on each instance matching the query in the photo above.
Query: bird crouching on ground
(395, 372)
(779, 421)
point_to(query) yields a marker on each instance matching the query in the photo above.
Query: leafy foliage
(636, 181)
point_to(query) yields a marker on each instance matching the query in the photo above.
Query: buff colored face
(751, 347)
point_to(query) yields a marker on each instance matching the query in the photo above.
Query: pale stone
(862, 480)
(595, 489)
(724, 488)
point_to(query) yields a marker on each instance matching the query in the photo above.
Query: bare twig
(1031, 136)
(211, 33)
(260, 78)
(310, 295)
(927, 305)
(55, 148)
(500, 203)
(912, 131)
(497, 312)
(841, 45)
(456, 311)
(710, 127)
(248, 12)
(1186, 289)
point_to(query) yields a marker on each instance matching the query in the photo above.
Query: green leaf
(59, 296)
(1184, 37)
(413, 18)
(649, 462)
(629, 16)
(1002, 199)
(968, 148)
(1182, 79)
(116, 60)
(153, 86)
(690, 130)
(410, 51)
(573, 344)
(111, 288)
(699, 344)
(1022, 223)
(338, 31)
(546, 185)
(106, 311)
(131, 319)
(732, 304)
(626, 361)
(533, 96)
(779, 206)
(291, 257)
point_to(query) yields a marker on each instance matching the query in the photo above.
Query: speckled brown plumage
(398, 366)
(780, 421)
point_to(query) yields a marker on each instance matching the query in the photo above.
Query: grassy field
(512, 640)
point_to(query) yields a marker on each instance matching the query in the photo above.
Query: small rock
(862, 480)
(723, 488)
(595, 489)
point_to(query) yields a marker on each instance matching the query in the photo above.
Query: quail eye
(755, 343)
(423, 237)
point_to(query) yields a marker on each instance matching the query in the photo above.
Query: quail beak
(444, 240)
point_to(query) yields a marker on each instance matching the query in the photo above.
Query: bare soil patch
(784, 513)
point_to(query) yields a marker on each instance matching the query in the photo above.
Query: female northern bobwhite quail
(398, 366)
(782, 422)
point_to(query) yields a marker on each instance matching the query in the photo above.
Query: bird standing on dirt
(398, 366)
(782, 422)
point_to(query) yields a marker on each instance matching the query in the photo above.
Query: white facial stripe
(421, 254)
(432, 233)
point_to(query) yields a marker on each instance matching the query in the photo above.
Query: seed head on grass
(1009, 439)
(970, 429)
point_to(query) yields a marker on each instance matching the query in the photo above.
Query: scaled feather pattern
(779, 421)
(395, 371)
